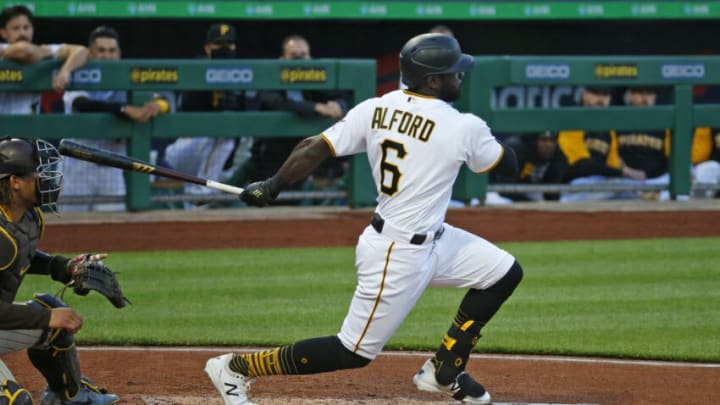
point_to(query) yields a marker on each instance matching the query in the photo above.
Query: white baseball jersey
(416, 146)
(23, 102)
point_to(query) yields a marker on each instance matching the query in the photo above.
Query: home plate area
(174, 376)
(168, 400)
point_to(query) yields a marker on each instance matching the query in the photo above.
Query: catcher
(29, 180)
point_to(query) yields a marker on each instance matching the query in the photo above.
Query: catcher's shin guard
(12, 393)
(56, 357)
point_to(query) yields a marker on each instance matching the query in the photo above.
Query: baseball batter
(416, 143)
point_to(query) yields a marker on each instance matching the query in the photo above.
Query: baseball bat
(107, 158)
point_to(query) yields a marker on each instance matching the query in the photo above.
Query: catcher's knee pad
(12, 393)
(56, 337)
(48, 301)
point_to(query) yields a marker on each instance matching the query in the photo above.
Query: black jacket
(19, 256)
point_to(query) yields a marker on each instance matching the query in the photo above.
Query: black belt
(378, 223)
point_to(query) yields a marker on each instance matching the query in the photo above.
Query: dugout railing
(143, 77)
(682, 115)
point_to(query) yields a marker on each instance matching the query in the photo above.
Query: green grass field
(654, 298)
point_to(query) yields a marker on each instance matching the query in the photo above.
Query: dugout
(141, 77)
(680, 114)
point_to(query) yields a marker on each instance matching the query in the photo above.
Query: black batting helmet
(431, 54)
(25, 157)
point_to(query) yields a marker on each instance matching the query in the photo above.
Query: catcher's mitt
(90, 273)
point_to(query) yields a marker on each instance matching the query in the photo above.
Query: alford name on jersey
(403, 122)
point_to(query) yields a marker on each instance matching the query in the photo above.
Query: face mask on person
(48, 174)
(224, 52)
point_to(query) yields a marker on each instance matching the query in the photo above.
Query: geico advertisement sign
(547, 71)
(228, 75)
(84, 76)
(683, 71)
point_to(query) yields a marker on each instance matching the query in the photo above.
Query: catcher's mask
(431, 54)
(33, 157)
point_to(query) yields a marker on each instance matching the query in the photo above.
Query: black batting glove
(262, 193)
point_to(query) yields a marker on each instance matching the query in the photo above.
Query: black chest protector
(18, 243)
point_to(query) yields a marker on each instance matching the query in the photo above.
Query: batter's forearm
(297, 168)
(306, 157)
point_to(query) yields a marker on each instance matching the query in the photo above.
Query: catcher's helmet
(24, 157)
(17, 156)
(431, 54)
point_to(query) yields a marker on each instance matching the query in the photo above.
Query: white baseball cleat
(232, 386)
(463, 388)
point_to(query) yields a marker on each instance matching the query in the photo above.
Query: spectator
(647, 151)
(86, 178)
(540, 161)
(211, 157)
(305, 103)
(706, 157)
(45, 326)
(269, 153)
(16, 27)
(593, 157)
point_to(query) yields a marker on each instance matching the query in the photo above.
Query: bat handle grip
(224, 187)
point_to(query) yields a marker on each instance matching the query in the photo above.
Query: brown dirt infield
(147, 376)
